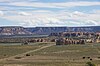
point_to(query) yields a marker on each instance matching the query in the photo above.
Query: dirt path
(23, 54)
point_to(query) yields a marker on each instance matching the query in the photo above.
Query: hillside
(13, 30)
(17, 30)
(48, 30)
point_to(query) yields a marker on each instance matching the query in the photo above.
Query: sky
(44, 13)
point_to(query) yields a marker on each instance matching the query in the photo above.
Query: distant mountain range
(17, 30)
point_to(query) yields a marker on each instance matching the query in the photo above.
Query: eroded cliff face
(49, 30)
(17, 30)
(13, 30)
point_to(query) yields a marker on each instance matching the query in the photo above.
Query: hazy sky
(50, 13)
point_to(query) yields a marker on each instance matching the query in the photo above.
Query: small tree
(88, 57)
(27, 54)
(83, 57)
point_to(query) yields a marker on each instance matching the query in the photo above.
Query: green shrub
(90, 64)
(27, 54)
(18, 57)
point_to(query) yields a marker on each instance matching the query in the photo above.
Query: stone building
(68, 41)
(78, 37)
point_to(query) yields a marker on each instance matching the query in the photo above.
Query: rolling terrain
(49, 54)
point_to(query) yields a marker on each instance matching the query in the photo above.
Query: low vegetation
(8, 50)
(90, 64)
(66, 55)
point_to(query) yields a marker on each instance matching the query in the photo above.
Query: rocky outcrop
(13, 30)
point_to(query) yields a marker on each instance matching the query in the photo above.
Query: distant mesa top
(18, 30)
(13, 30)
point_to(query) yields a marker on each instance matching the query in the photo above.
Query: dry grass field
(48, 54)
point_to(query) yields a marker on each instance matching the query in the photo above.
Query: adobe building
(68, 41)
(78, 38)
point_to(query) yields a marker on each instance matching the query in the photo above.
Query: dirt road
(23, 54)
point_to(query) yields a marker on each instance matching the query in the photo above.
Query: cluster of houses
(19, 40)
(66, 38)
(25, 40)
(66, 41)
(63, 38)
